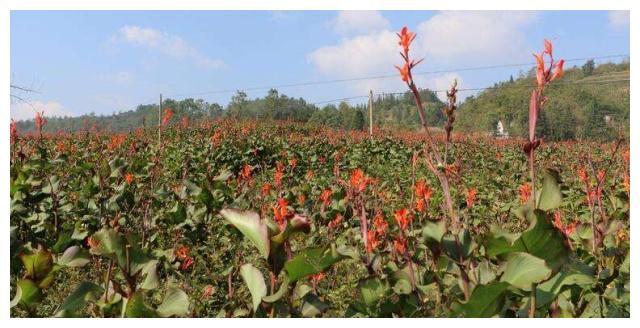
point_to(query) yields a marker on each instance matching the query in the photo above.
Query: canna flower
(13, 131)
(405, 72)
(188, 262)
(335, 222)
(406, 37)
(40, 121)
(548, 47)
(166, 117)
(525, 192)
(280, 212)
(93, 243)
(302, 198)
(207, 292)
(359, 181)
(129, 178)
(471, 197)
(402, 218)
(583, 175)
(184, 122)
(245, 174)
(380, 224)
(325, 197)
(317, 277)
(279, 174)
(372, 241)
(400, 245)
(266, 188)
(182, 252)
(559, 71)
(540, 78)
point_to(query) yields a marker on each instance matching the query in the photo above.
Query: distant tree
(588, 67)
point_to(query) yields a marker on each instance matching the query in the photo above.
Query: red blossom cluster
(471, 197)
(182, 254)
(423, 195)
(166, 116)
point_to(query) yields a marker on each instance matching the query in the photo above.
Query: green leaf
(311, 261)
(544, 241)
(312, 306)
(110, 244)
(136, 307)
(251, 226)
(524, 269)
(550, 195)
(434, 230)
(255, 282)
(486, 300)
(372, 290)
(575, 273)
(176, 303)
(27, 293)
(37, 265)
(455, 251)
(74, 256)
(84, 292)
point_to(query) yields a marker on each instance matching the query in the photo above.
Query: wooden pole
(159, 119)
(371, 113)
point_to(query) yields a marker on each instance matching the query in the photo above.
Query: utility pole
(371, 114)
(159, 119)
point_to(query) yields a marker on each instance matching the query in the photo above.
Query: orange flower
(166, 117)
(325, 197)
(359, 181)
(380, 224)
(335, 222)
(93, 243)
(559, 70)
(40, 121)
(402, 218)
(266, 188)
(317, 277)
(583, 175)
(302, 198)
(280, 212)
(207, 292)
(548, 47)
(129, 178)
(540, 74)
(405, 72)
(279, 174)
(399, 244)
(13, 131)
(471, 196)
(372, 241)
(406, 37)
(245, 174)
(182, 252)
(525, 192)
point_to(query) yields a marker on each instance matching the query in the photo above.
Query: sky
(105, 62)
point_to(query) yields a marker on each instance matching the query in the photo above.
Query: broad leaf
(486, 300)
(176, 303)
(311, 261)
(255, 282)
(524, 269)
(74, 256)
(550, 196)
(74, 302)
(251, 226)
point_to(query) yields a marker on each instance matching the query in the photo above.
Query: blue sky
(110, 61)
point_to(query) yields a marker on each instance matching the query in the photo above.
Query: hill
(589, 102)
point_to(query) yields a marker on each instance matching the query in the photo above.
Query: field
(276, 219)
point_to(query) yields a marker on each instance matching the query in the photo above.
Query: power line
(310, 83)
(483, 88)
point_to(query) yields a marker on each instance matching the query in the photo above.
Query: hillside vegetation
(581, 106)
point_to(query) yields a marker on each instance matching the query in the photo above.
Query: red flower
(380, 224)
(166, 117)
(280, 212)
(279, 174)
(405, 72)
(266, 188)
(182, 252)
(548, 47)
(400, 245)
(540, 78)
(402, 218)
(13, 131)
(188, 262)
(559, 70)
(40, 121)
(317, 277)
(335, 222)
(207, 292)
(406, 37)
(129, 178)
(471, 197)
(359, 181)
(372, 241)
(325, 197)
(245, 174)
(525, 192)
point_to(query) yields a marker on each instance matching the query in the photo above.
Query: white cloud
(359, 22)
(474, 36)
(619, 18)
(171, 45)
(25, 111)
(452, 38)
